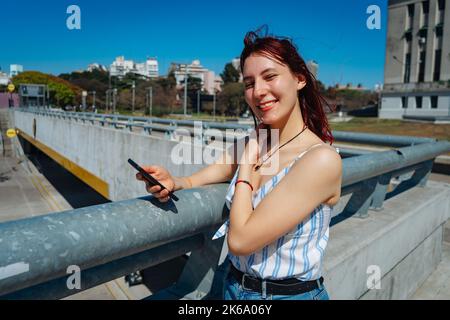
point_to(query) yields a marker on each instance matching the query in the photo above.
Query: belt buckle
(243, 281)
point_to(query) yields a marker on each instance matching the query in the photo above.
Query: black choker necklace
(256, 168)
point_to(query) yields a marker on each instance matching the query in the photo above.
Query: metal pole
(185, 91)
(93, 104)
(198, 102)
(151, 101)
(133, 86)
(107, 101)
(114, 100)
(214, 105)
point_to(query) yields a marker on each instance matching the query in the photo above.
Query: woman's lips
(269, 106)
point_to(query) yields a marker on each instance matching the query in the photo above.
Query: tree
(230, 74)
(61, 91)
(231, 100)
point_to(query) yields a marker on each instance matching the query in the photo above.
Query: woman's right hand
(164, 177)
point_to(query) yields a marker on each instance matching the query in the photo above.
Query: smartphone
(152, 181)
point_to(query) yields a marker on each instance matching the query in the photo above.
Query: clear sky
(333, 33)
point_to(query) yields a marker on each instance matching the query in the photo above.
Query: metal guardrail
(169, 126)
(114, 239)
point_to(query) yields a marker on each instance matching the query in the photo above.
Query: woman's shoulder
(320, 157)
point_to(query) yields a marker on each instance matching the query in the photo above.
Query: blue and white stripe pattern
(297, 254)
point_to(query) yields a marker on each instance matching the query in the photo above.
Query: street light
(114, 100)
(133, 86)
(198, 102)
(93, 103)
(214, 104)
(185, 90)
(150, 100)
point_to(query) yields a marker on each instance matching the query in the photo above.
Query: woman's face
(270, 88)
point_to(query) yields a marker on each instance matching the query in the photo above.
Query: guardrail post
(380, 192)
(202, 276)
(421, 175)
(362, 197)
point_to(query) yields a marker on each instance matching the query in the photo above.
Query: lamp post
(150, 100)
(93, 102)
(114, 100)
(198, 102)
(185, 90)
(133, 87)
(214, 104)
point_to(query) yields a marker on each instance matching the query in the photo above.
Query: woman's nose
(260, 90)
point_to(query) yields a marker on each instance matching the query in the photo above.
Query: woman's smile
(268, 105)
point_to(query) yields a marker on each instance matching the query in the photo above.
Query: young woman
(279, 223)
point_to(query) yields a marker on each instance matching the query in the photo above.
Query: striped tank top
(297, 254)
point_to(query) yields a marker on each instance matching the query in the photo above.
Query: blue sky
(333, 33)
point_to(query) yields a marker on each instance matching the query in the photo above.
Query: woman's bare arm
(221, 171)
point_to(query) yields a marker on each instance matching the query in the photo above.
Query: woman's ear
(301, 82)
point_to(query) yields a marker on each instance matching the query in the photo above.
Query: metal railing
(111, 240)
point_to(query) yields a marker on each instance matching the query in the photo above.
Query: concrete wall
(403, 241)
(393, 71)
(445, 63)
(104, 151)
(391, 107)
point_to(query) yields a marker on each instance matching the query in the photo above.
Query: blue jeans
(234, 291)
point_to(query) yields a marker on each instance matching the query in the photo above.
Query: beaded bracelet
(244, 181)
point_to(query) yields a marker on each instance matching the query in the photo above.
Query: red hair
(311, 100)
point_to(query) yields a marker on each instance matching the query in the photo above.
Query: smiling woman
(277, 235)
(279, 223)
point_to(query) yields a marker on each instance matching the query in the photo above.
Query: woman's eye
(271, 76)
(248, 85)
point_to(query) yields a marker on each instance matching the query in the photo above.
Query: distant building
(417, 68)
(120, 67)
(15, 69)
(313, 67)
(96, 66)
(208, 78)
(4, 79)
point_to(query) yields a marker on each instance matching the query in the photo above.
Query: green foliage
(231, 100)
(62, 92)
(194, 84)
(230, 74)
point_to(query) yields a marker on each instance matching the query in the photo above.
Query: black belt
(290, 286)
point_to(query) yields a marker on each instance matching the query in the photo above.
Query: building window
(419, 102)
(425, 12)
(411, 11)
(422, 57)
(404, 102)
(434, 102)
(437, 65)
(406, 77)
(409, 20)
(441, 5)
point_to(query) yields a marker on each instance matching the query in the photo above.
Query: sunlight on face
(270, 88)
